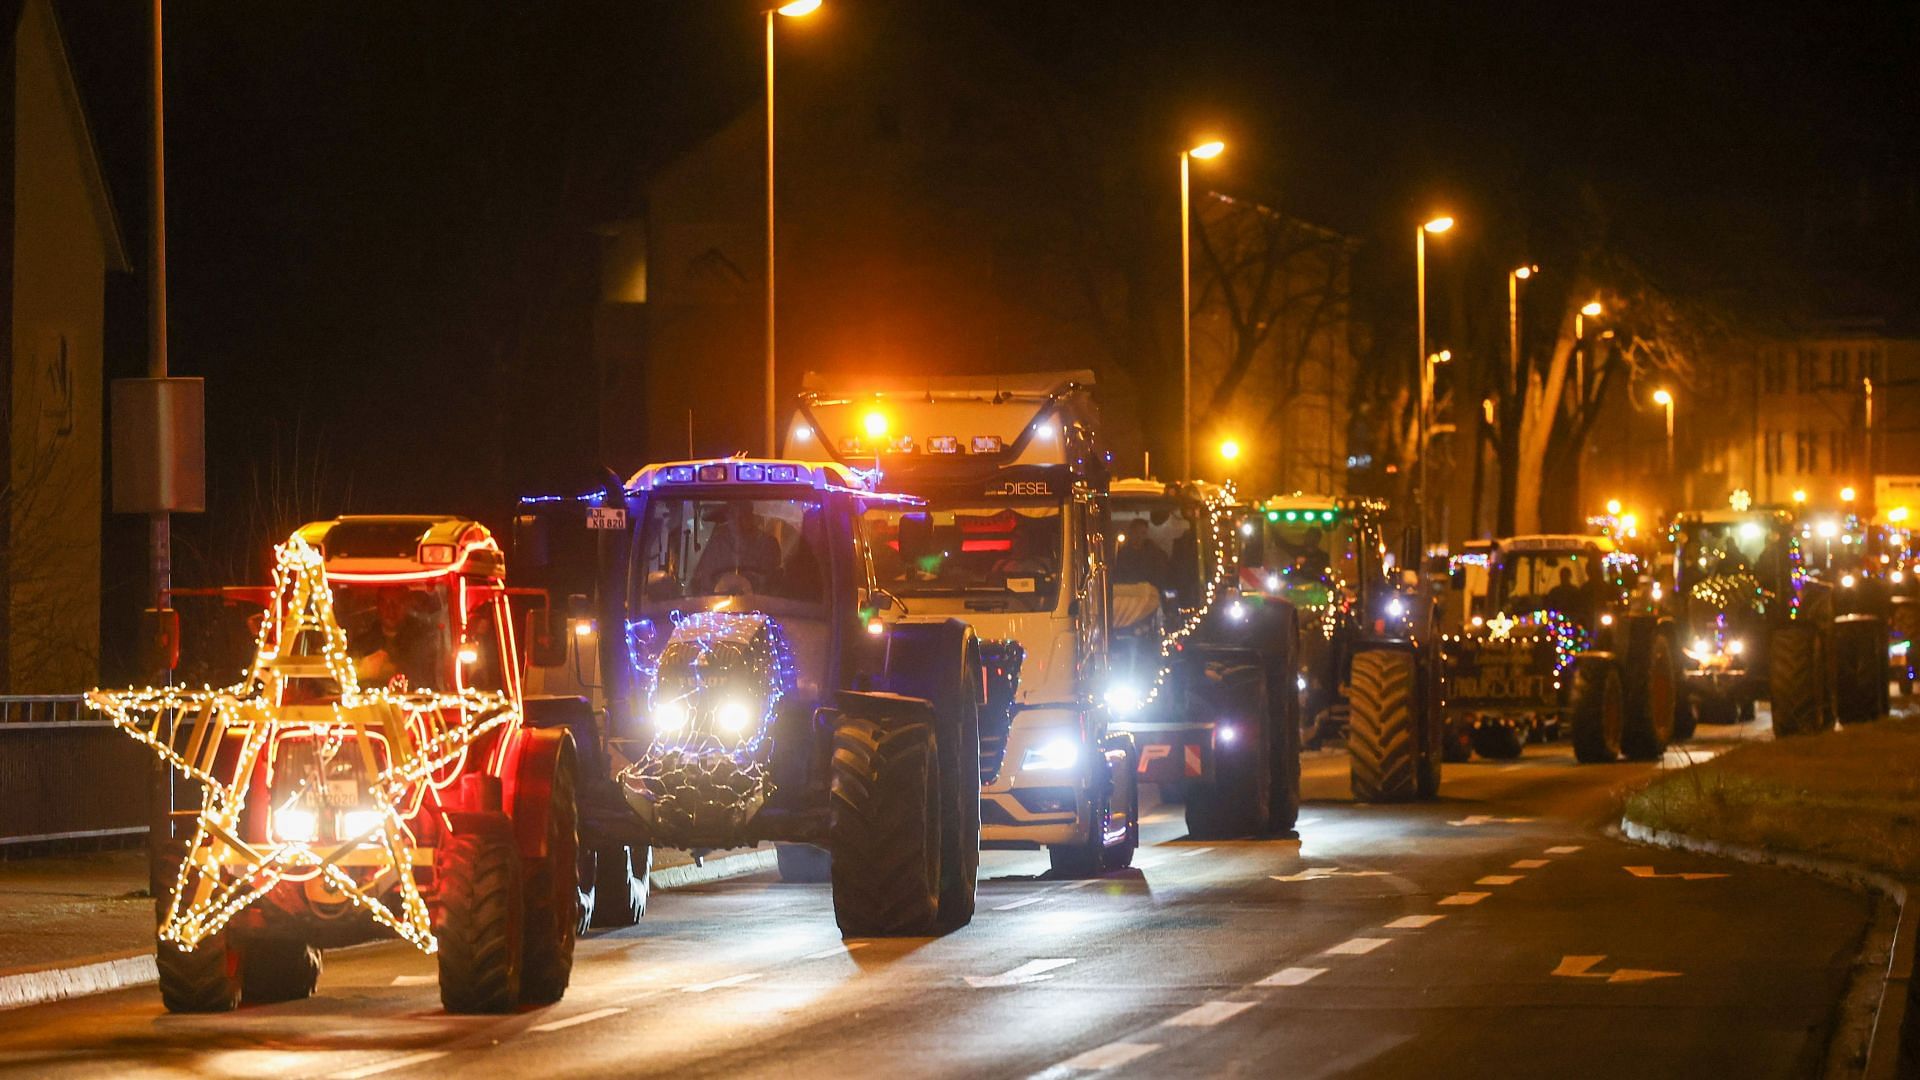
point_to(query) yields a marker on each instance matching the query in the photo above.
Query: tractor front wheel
(480, 919)
(885, 832)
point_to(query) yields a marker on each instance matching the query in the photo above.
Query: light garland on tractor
(425, 734)
(1226, 562)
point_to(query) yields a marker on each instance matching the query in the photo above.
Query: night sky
(382, 214)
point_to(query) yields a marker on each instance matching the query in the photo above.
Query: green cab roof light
(1273, 515)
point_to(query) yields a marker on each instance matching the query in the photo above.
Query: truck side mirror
(547, 637)
(531, 541)
(159, 650)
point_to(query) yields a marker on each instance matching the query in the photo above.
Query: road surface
(1492, 933)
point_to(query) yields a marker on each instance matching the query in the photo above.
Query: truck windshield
(1751, 548)
(1153, 544)
(719, 547)
(1008, 555)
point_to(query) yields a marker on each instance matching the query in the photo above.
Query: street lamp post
(1206, 151)
(1665, 398)
(1436, 226)
(795, 9)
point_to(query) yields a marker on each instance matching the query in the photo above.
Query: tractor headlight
(1055, 756)
(296, 823)
(1736, 647)
(669, 716)
(1237, 611)
(733, 717)
(1396, 608)
(360, 824)
(1124, 700)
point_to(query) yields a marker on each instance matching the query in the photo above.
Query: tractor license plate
(343, 793)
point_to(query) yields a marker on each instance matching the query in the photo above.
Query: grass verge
(1852, 796)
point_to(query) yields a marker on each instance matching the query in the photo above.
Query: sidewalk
(72, 924)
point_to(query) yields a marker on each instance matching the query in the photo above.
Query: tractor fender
(527, 785)
(922, 656)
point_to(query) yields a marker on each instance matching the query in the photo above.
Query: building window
(1837, 369)
(1773, 371)
(1803, 380)
(1776, 460)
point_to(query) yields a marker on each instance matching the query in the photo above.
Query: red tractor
(375, 771)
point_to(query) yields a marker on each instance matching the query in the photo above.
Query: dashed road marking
(1683, 875)
(1464, 898)
(1321, 873)
(1195, 851)
(1022, 903)
(415, 980)
(1499, 879)
(1111, 1056)
(1293, 976)
(1359, 946)
(1528, 864)
(1414, 922)
(583, 1018)
(718, 984)
(1211, 1013)
(1484, 819)
(1031, 971)
(389, 1066)
(838, 950)
(1563, 849)
(1081, 884)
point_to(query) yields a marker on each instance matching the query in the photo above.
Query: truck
(1203, 680)
(1366, 663)
(1559, 634)
(752, 694)
(1010, 536)
(1757, 620)
(376, 771)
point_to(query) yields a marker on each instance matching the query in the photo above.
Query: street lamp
(1229, 450)
(1664, 398)
(793, 10)
(1205, 151)
(1436, 226)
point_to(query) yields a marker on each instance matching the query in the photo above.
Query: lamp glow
(1208, 150)
(1591, 309)
(1662, 397)
(798, 8)
(1438, 225)
(874, 424)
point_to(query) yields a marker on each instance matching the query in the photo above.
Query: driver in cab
(394, 639)
(738, 546)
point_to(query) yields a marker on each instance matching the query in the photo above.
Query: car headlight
(1052, 757)
(1124, 700)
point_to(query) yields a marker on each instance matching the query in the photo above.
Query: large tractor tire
(1652, 683)
(1797, 681)
(1384, 732)
(620, 884)
(207, 979)
(1715, 709)
(1279, 651)
(1237, 800)
(803, 864)
(1456, 743)
(1497, 741)
(551, 908)
(1597, 708)
(480, 918)
(885, 832)
(941, 664)
(278, 969)
(1860, 689)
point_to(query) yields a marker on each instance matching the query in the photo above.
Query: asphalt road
(1492, 933)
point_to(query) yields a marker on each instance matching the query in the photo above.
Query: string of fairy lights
(1218, 504)
(409, 741)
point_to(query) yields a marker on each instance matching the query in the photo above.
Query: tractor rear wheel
(480, 919)
(1597, 706)
(620, 885)
(1236, 799)
(885, 832)
(1861, 689)
(1797, 681)
(1499, 740)
(1383, 732)
(552, 883)
(278, 969)
(1651, 686)
(1456, 744)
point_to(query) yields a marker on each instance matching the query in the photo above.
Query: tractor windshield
(1005, 554)
(1153, 544)
(398, 633)
(1753, 548)
(736, 552)
(1305, 552)
(1546, 580)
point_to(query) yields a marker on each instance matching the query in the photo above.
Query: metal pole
(1186, 328)
(159, 527)
(1669, 439)
(770, 426)
(1420, 333)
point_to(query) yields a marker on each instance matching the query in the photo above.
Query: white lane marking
(1581, 967)
(1464, 898)
(1499, 879)
(1031, 971)
(389, 1066)
(1483, 819)
(1213, 1012)
(1414, 922)
(415, 980)
(717, 984)
(1528, 864)
(1305, 821)
(1195, 851)
(838, 950)
(1111, 1056)
(1294, 976)
(1321, 873)
(1359, 946)
(1683, 875)
(583, 1018)
(1081, 884)
(1563, 849)
(1022, 903)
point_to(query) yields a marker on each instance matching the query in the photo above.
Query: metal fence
(67, 778)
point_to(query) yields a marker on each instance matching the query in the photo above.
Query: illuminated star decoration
(407, 741)
(1500, 626)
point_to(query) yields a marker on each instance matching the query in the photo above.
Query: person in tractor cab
(738, 548)
(1140, 560)
(394, 639)
(1567, 598)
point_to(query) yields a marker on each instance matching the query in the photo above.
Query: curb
(1890, 1016)
(119, 971)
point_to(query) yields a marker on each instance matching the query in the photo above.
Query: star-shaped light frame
(424, 736)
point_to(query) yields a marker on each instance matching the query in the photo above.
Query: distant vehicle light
(1225, 734)
(1246, 528)
(1606, 620)
(876, 626)
(1300, 682)
(1055, 756)
(1124, 700)
(1273, 582)
(1736, 647)
(801, 433)
(1397, 608)
(583, 628)
(1237, 611)
(1043, 431)
(1846, 581)
(469, 654)
(1897, 577)
(1752, 531)
(874, 424)
(1478, 621)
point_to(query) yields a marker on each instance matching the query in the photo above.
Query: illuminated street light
(1613, 507)
(1664, 397)
(1525, 272)
(1847, 494)
(1799, 496)
(1205, 151)
(793, 9)
(1436, 226)
(1229, 449)
(1592, 309)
